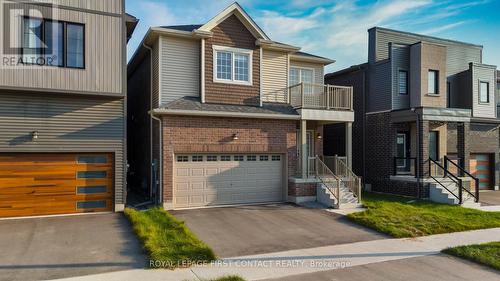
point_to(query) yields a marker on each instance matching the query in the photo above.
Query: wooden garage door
(45, 184)
(204, 180)
(480, 166)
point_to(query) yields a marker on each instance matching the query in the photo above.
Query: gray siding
(65, 124)
(155, 92)
(458, 55)
(179, 68)
(487, 74)
(108, 6)
(379, 96)
(104, 58)
(400, 61)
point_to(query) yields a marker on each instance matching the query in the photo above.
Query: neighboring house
(215, 110)
(421, 103)
(62, 106)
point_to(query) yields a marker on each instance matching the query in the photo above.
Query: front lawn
(486, 254)
(168, 242)
(404, 217)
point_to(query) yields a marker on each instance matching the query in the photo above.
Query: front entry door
(403, 152)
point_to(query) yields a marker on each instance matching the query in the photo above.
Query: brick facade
(301, 189)
(232, 33)
(189, 134)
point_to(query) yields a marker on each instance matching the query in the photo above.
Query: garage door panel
(237, 181)
(480, 167)
(45, 184)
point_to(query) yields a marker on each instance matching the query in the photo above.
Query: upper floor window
(403, 82)
(53, 43)
(484, 92)
(433, 82)
(301, 75)
(232, 65)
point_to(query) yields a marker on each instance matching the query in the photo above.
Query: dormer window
(232, 65)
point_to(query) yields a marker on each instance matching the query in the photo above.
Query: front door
(434, 145)
(403, 152)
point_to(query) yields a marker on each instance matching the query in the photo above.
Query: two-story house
(426, 116)
(220, 114)
(62, 106)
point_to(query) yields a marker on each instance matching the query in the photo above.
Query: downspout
(151, 117)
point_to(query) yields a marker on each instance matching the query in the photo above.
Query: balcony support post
(303, 148)
(348, 143)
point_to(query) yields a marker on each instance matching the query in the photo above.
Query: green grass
(405, 217)
(168, 242)
(487, 254)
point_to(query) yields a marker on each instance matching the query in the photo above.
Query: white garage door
(221, 179)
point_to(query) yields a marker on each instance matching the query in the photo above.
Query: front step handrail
(449, 175)
(328, 179)
(476, 180)
(350, 179)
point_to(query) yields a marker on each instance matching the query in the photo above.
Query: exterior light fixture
(235, 136)
(34, 135)
(319, 136)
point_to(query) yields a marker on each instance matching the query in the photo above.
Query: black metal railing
(462, 173)
(405, 166)
(436, 171)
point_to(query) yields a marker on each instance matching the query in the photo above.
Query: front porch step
(347, 198)
(440, 195)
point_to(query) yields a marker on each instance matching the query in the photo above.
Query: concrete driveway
(491, 198)
(248, 230)
(57, 247)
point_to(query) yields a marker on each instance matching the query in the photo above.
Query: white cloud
(442, 28)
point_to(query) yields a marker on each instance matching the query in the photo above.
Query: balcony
(320, 97)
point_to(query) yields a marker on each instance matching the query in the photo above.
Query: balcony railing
(319, 96)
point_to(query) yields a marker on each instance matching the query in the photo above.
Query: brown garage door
(480, 166)
(46, 184)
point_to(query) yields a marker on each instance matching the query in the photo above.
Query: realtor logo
(29, 38)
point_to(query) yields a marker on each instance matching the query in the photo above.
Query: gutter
(161, 111)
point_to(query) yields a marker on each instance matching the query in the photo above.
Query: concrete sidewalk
(288, 263)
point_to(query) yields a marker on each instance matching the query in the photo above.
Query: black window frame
(400, 71)
(487, 92)
(436, 82)
(65, 42)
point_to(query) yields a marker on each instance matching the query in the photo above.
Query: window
(225, 158)
(182, 159)
(92, 159)
(263, 158)
(91, 175)
(53, 43)
(197, 158)
(232, 65)
(91, 204)
(238, 158)
(301, 75)
(91, 189)
(434, 145)
(276, 158)
(484, 92)
(75, 46)
(251, 158)
(403, 82)
(211, 158)
(433, 82)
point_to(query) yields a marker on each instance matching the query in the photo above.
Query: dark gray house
(426, 120)
(63, 88)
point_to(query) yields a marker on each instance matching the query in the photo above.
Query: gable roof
(239, 12)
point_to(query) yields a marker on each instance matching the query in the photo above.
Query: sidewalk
(282, 264)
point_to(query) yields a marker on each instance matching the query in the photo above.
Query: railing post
(336, 161)
(327, 96)
(477, 190)
(460, 199)
(445, 174)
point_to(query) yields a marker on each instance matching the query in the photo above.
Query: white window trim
(233, 51)
(479, 92)
(300, 68)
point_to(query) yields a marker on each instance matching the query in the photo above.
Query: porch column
(463, 150)
(303, 148)
(423, 148)
(348, 143)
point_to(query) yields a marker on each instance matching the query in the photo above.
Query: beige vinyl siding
(274, 76)
(70, 124)
(108, 6)
(483, 73)
(180, 68)
(104, 63)
(155, 92)
(318, 69)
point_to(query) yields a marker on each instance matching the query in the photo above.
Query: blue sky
(337, 29)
